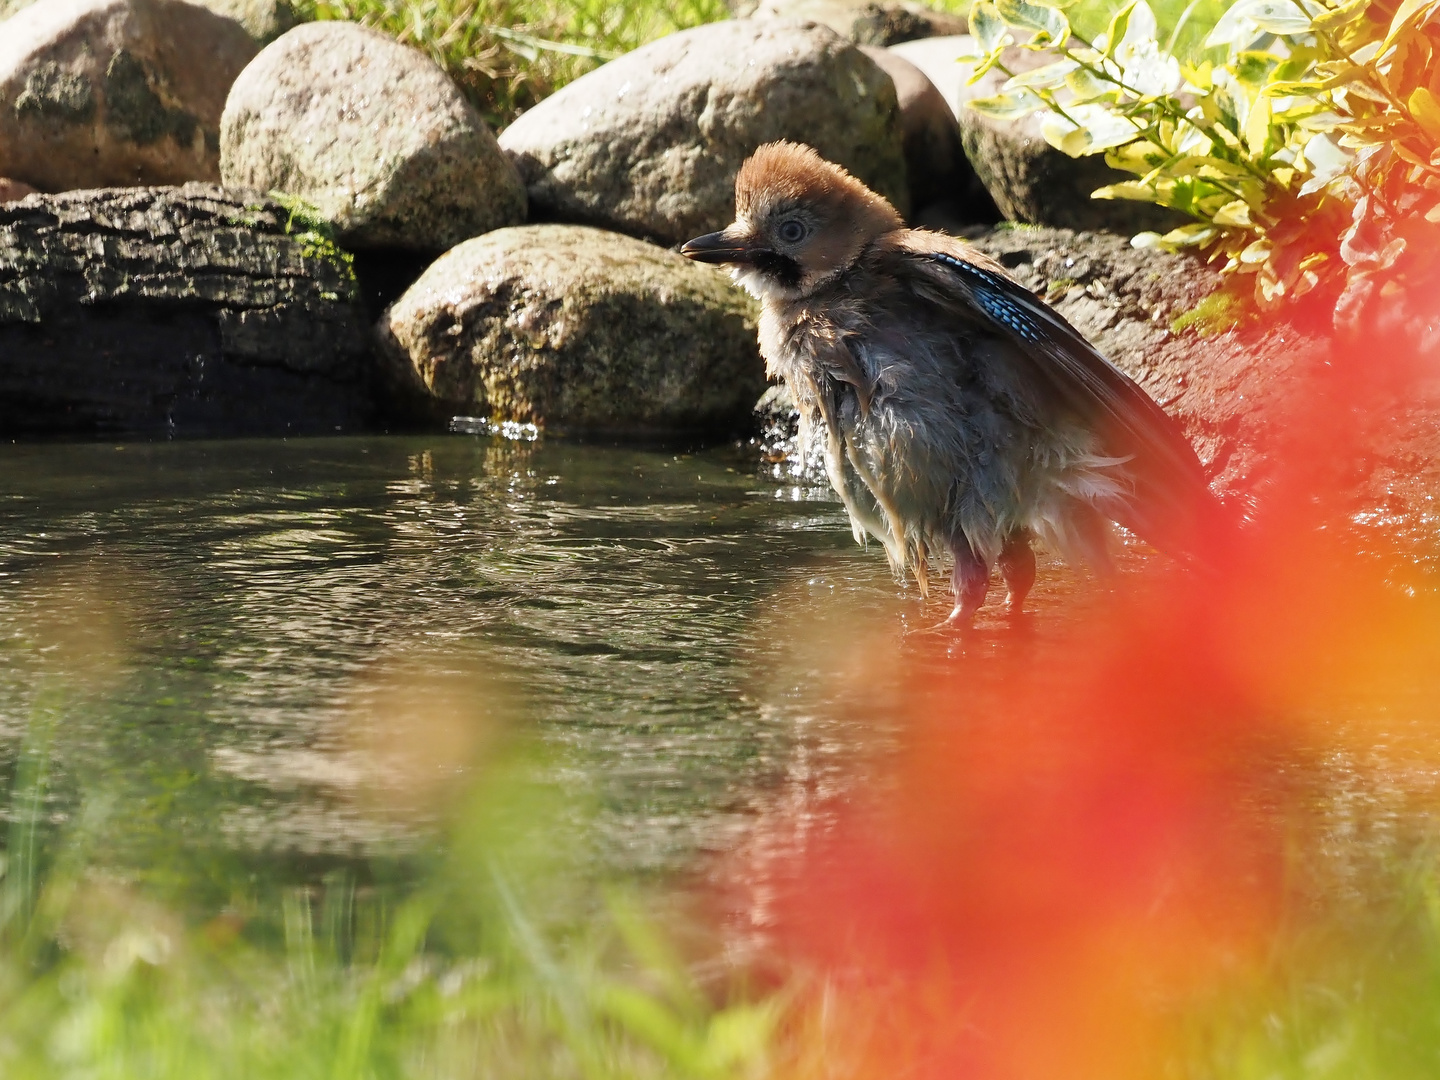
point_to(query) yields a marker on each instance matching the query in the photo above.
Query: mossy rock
(580, 330)
(175, 311)
(107, 93)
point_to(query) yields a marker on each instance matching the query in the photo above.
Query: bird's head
(799, 222)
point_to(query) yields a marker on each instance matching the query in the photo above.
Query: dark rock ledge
(1227, 387)
(188, 310)
(1236, 391)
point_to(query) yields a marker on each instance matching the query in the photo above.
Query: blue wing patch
(992, 299)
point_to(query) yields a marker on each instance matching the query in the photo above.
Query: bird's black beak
(719, 247)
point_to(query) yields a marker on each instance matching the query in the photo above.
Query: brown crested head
(800, 221)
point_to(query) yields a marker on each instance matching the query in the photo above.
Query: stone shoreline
(396, 282)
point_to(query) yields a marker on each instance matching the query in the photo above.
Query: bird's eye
(792, 231)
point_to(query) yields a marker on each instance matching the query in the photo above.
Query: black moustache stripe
(782, 268)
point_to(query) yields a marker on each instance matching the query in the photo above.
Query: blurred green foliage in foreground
(491, 966)
(501, 961)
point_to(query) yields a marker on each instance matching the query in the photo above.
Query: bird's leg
(971, 579)
(1017, 567)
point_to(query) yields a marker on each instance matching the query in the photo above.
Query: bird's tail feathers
(1193, 525)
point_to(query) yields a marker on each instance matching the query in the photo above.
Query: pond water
(245, 645)
(243, 602)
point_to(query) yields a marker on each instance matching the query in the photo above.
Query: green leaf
(1136, 157)
(1140, 27)
(1338, 18)
(1231, 104)
(1008, 106)
(1426, 111)
(1119, 24)
(1049, 26)
(652, 1022)
(1253, 67)
(987, 25)
(1191, 235)
(1207, 168)
(1324, 158)
(1247, 20)
(1133, 190)
(1257, 128)
(1043, 78)
(1347, 73)
(740, 1034)
(1411, 12)
(1089, 129)
(1256, 252)
(1280, 17)
(1236, 213)
(1086, 85)
(984, 67)
(1198, 76)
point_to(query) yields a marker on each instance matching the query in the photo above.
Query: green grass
(506, 55)
(1351, 990)
(496, 960)
(495, 955)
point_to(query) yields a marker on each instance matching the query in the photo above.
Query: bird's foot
(971, 580)
(962, 618)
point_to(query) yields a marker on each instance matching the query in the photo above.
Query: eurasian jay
(958, 411)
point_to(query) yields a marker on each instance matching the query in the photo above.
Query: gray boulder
(373, 135)
(865, 22)
(649, 144)
(1028, 178)
(943, 187)
(175, 311)
(96, 93)
(936, 57)
(263, 20)
(576, 329)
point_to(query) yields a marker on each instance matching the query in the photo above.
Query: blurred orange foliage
(1084, 834)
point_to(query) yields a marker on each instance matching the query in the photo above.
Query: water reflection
(249, 634)
(257, 585)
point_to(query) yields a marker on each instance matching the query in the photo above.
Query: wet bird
(957, 411)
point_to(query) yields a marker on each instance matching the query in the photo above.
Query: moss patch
(1220, 311)
(52, 93)
(132, 106)
(315, 235)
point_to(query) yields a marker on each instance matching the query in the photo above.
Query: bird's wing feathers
(1173, 505)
